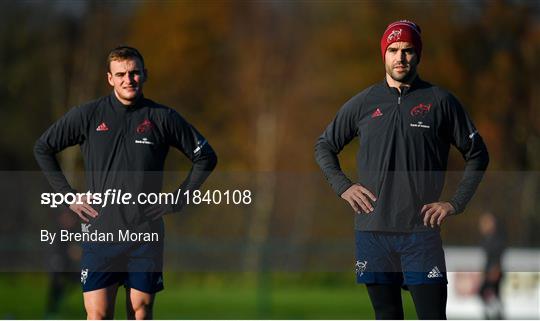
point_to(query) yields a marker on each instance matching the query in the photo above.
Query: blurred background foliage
(262, 79)
(223, 64)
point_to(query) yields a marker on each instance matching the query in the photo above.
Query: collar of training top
(417, 83)
(117, 104)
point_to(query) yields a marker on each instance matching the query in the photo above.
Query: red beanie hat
(403, 30)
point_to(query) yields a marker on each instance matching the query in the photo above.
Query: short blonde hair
(123, 53)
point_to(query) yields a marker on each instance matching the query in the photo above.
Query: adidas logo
(102, 127)
(435, 273)
(377, 113)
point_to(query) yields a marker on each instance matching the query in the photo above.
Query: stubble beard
(402, 77)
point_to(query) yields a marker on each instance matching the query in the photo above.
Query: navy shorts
(400, 258)
(135, 265)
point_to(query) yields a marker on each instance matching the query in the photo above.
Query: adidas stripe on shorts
(400, 258)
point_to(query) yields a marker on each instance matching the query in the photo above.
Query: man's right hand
(84, 209)
(359, 198)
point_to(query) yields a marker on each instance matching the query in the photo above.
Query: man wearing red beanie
(405, 127)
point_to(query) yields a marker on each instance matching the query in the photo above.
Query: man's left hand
(436, 213)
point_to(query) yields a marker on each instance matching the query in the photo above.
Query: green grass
(211, 296)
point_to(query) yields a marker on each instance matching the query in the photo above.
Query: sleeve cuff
(343, 187)
(457, 208)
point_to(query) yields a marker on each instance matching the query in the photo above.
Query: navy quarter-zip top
(124, 148)
(405, 138)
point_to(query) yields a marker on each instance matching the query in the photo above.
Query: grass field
(210, 296)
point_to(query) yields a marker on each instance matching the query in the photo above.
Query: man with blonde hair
(124, 138)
